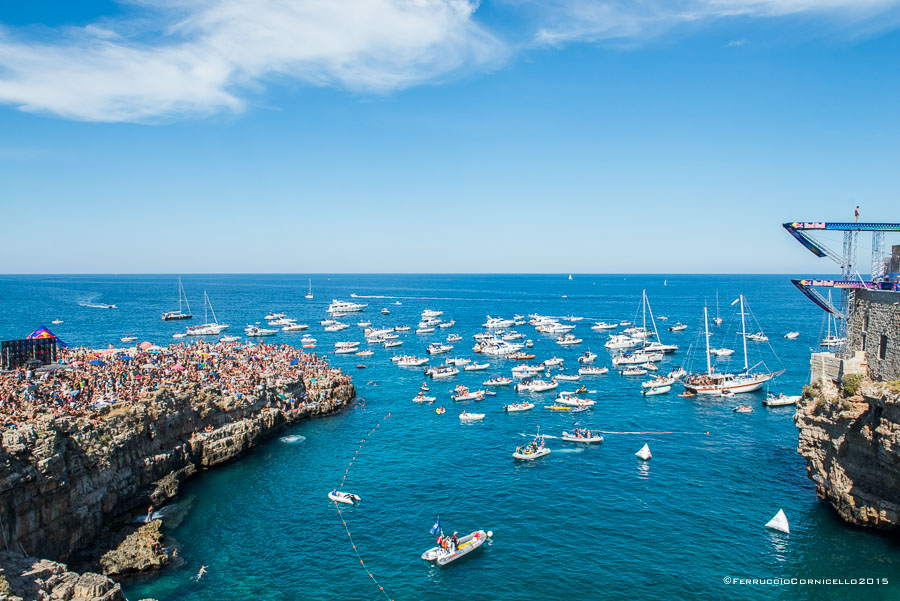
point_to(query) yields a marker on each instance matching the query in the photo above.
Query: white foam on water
(293, 438)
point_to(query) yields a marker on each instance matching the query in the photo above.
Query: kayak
(464, 546)
(557, 407)
(343, 497)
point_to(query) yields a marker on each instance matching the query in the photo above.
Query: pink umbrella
(145, 345)
(178, 366)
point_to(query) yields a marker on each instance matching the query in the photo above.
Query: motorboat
(343, 497)
(336, 327)
(457, 361)
(662, 318)
(620, 341)
(440, 373)
(447, 324)
(338, 306)
(529, 344)
(677, 373)
(678, 327)
(128, 338)
(470, 417)
(462, 393)
(567, 377)
(431, 314)
(636, 358)
(273, 316)
(363, 324)
(832, 341)
(568, 339)
(582, 435)
(498, 381)
(649, 366)
(412, 361)
(758, 337)
(658, 381)
(587, 357)
(392, 343)
(531, 451)
(182, 335)
(228, 339)
(659, 347)
(454, 338)
(207, 328)
(513, 407)
(56, 322)
(402, 329)
(781, 400)
(512, 336)
(524, 371)
(424, 330)
(624, 323)
(496, 323)
(742, 408)
(634, 371)
(592, 370)
(421, 398)
(571, 399)
(477, 367)
(462, 547)
(602, 325)
(436, 348)
(346, 344)
(552, 362)
(365, 353)
(257, 331)
(536, 385)
(295, 327)
(282, 321)
(346, 350)
(385, 311)
(721, 352)
(307, 339)
(656, 390)
(792, 335)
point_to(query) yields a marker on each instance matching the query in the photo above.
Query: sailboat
(309, 295)
(832, 339)
(712, 382)
(207, 328)
(657, 345)
(570, 276)
(171, 315)
(717, 320)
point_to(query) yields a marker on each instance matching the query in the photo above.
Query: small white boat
(440, 373)
(659, 381)
(721, 352)
(567, 377)
(128, 338)
(56, 322)
(365, 353)
(592, 370)
(295, 327)
(273, 316)
(536, 385)
(227, 339)
(782, 400)
(179, 335)
(758, 337)
(634, 371)
(644, 453)
(402, 329)
(571, 399)
(343, 497)
(364, 324)
(392, 343)
(568, 340)
(421, 398)
(424, 330)
(463, 547)
(552, 362)
(531, 451)
(602, 325)
(412, 361)
(742, 408)
(436, 348)
(476, 367)
(498, 381)
(678, 327)
(582, 435)
(656, 390)
(457, 361)
(513, 407)
(454, 338)
(587, 357)
(470, 417)
(792, 335)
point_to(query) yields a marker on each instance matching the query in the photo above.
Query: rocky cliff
(63, 480)
(25, 578)
(851, 443)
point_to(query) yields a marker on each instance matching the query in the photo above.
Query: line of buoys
(344, 522)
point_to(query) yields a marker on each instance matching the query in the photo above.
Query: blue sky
(441, 135)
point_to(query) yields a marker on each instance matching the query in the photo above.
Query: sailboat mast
(211, 310)
(706, 326)
(744, 331)
(186, 302)
(205, 307)
(652, 320)
(179, 295)
(644, 309)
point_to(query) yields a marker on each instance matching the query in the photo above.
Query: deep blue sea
(588, 523)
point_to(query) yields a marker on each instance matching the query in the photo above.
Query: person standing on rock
(149, 515)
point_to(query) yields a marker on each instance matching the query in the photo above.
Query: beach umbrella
(295, 361)
(178, 367)
(145, 345)
(126, 357)
(97, 362)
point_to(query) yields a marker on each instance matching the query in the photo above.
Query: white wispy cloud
(630, 20)
(177, 58)
(201, 57)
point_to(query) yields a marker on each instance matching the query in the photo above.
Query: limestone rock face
(63, 480)
(852, 452)
(141, 550)
(25, 578)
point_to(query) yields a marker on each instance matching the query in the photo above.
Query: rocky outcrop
(63, 480)
(25, 578)
(852, 448)
(139, 551)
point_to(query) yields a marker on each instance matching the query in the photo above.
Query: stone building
(875, 329)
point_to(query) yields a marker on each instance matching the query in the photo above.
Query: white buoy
(490, 534)
(779, 522)
(644, 453)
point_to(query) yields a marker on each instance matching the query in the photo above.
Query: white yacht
(339, 306)
(257, 331)
(620, 341)
(172, 315)
(494, 323)
(207, 328)
(602, 325)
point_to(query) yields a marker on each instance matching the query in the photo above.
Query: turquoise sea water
(593, 523)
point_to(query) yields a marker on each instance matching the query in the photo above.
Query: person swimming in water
(201, 572)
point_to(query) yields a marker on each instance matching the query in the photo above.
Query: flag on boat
(436, 527)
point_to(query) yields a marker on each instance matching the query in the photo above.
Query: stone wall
(875, 329)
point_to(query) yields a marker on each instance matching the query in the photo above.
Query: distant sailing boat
(716, 383)
(717, 320)
(207, 328)
(170, 315)
(570, 276)
(309, 295)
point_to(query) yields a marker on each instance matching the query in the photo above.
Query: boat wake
(578, 450)
(293, 438)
